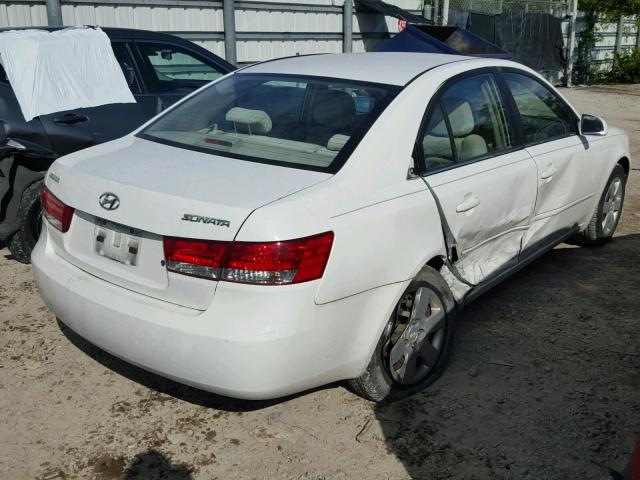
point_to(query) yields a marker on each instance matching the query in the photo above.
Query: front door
(73, 130)
(484, 181)
(567, 164)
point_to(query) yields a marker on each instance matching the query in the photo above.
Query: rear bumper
(253, 342)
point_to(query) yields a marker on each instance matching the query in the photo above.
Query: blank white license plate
(117, 242)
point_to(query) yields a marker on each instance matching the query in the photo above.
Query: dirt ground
(544, 384)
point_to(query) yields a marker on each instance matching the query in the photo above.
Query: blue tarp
(450, 40)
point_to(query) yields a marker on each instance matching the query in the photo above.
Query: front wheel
(607, 214)
(415, 344)
(29, 222)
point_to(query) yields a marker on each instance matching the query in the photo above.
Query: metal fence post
(54, 13)
(229, 23)
(347, 26)
(427, 12)
(619, 32)
(436, 12)
(573, 17)
(445, 12)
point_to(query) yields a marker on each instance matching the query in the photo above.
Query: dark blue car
(159, 68)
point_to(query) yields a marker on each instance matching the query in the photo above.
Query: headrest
(337, 141)
(334, 108)
(461, 120)
(257, 121)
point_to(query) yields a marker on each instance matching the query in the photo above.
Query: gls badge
(211, 221)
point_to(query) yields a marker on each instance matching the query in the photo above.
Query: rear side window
(475, 125)
(543, 115)
(3, 75)
(302, 122)
(176, 70)
(436, 143)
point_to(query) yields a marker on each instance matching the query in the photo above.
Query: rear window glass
(303, 122)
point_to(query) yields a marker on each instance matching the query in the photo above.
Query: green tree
(611, 10)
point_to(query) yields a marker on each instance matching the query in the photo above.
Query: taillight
(278, 263)
(200, 258)
(263, 263)
(57, 213)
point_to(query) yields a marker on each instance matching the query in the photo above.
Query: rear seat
(468, 144)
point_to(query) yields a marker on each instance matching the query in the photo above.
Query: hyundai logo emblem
(109, 201)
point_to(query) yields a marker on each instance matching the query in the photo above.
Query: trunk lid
(162, 191)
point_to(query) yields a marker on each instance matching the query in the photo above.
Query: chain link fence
(535, 32)
(553, 7)
(531, 29)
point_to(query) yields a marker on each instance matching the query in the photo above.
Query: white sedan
(322, 218)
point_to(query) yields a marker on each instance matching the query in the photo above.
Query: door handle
(70, 119)
(470, 202)
(548, 172)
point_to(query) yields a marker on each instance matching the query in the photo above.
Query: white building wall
(263, 30)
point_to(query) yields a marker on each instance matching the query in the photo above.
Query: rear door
(73, 130)
(568, 169)
(172, 71)
(484, 180)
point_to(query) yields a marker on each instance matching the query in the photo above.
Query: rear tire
(30, 223)
(605, 219)
(410, 330)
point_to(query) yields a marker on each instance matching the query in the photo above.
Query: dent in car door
(484, 182)
(73, 130)
(567, 165)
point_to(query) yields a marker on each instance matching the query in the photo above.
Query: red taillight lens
(57, 213)
(268, 263)
(200, 258)
(278, 263)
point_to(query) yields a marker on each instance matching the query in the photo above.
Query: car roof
(392, 68)
(148, 35)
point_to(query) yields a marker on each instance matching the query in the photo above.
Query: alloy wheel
(415, 336)
(611, 206)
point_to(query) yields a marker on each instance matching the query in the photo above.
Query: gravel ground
(544, 383)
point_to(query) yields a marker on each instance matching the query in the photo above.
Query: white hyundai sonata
(322, 218)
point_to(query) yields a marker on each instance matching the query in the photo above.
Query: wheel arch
(436, 263)
(625, 164)
(24, 173)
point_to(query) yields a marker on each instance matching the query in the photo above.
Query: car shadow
(543, 379)
(169, 387)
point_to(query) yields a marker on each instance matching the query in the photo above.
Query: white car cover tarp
(62, 70)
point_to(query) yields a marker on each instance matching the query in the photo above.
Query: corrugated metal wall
(265, 29)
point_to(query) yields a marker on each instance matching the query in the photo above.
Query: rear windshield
(303, 122)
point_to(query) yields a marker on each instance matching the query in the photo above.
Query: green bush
(625, 68)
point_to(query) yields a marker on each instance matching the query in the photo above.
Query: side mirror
(592, 125)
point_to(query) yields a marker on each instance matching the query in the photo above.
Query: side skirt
(526, 257)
